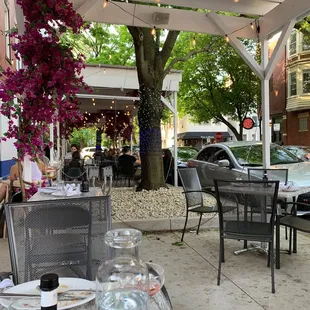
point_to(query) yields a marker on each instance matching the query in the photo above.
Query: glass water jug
(122, 282)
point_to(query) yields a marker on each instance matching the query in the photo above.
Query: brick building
(7, 59)
(290, 92)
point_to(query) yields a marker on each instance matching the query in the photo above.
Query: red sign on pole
(218, 136)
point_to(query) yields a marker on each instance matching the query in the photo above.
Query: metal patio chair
(296, 219)
(248, 228)
(64, 236)
(196, 197)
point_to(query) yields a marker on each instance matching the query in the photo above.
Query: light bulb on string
(105, 3)
(110, 56)
(153, 32)
(194, 42)
(226, 38)
(252, 26)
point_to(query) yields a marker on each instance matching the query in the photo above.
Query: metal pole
(52, 141)
(58, 150)
(265, 108)
(175, 138)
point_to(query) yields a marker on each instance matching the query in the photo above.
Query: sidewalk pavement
(191, 271)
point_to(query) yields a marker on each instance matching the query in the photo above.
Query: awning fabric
(200, 135)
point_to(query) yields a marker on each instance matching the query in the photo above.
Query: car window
(92, 149)
(220, 155)
(252, 155)
(207, 154)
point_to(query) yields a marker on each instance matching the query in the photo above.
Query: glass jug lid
(123, 238)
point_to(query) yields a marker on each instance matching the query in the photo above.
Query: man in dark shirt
(127, 162)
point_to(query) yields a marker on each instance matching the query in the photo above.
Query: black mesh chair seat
(66, 244)
(64, 236)
(296, 223)
(255, 231)
(252, 194)
(294, 220)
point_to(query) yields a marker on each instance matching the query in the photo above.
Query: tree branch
(189, 55)
(168, 46)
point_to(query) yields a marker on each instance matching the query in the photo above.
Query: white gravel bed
(127, 204)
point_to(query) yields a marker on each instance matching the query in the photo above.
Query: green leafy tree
(83, 137)
(103, 44)
(218, 84)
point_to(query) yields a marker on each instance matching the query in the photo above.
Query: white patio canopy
(267, 17)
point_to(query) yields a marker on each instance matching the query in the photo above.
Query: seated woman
(38, 168)
(75, 161)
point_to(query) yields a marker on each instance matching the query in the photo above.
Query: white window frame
(303, 72)
(303, 121)
(6, 30)
(294, 32)
(290, 83)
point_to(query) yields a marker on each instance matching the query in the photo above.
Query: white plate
(47, 190)
(64, 194)
(64, 285)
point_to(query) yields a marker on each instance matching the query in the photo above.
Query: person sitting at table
(75, 161)
(38, 168)
(127, 157)
(74, 148)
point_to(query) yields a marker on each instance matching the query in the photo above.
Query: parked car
(88, 152)
(184, 154)
(231, 160)
(303, 152)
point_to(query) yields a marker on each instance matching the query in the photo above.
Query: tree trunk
(149, 117)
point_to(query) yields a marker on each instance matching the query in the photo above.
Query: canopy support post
(175, 138)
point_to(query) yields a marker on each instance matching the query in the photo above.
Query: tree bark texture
(149, 116)
(151, 60)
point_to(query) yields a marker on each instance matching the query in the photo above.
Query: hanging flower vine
(44, 91)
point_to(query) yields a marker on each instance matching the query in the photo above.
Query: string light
(105, 3)
(226, 38)
(252, 26)
(112, 101)
(94, 103)
(110, 56)
(194, 41)
(153, 32)
(104, 71)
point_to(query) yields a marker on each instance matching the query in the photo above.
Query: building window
(306, 82)
(271, 83)
(305, 43)
(303, 123)
(7, 29)
(293, 43)
(292, 83)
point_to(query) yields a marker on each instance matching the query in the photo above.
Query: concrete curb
(167, 224)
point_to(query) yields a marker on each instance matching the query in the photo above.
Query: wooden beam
(250, 7)
(273, 21)
(286, 31)
(122, 13)
(237, 45)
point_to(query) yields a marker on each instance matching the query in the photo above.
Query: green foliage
(304, 26)
(217, 83)
(83, 137)
(103, 44)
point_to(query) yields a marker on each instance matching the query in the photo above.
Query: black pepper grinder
(48, 285)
